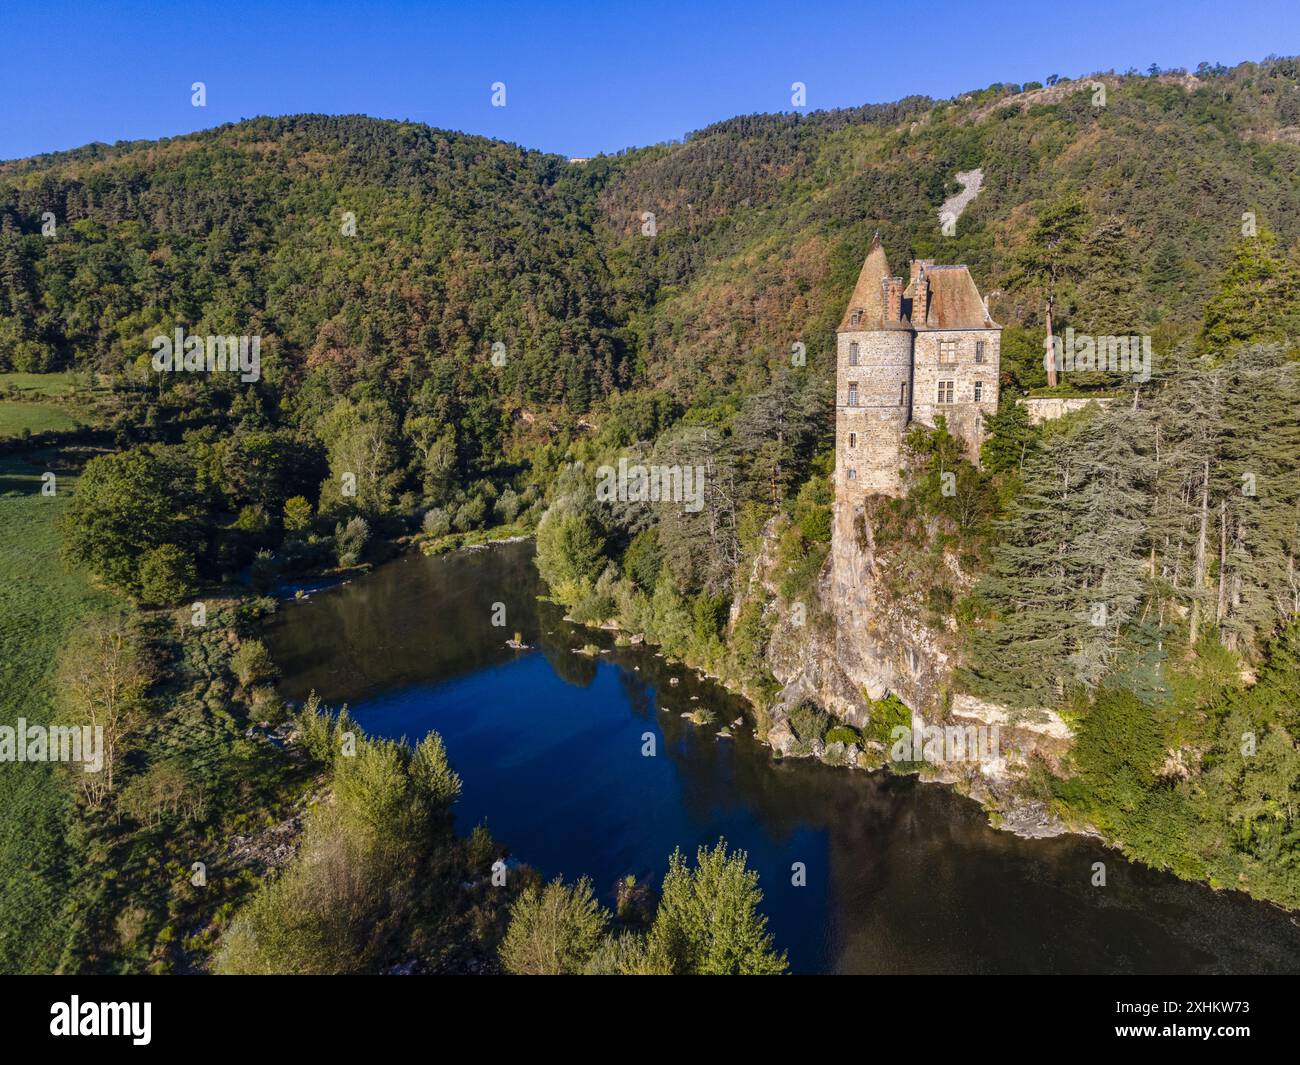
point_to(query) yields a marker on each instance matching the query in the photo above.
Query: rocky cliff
(874, 635)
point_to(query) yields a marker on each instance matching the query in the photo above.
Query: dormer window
(853, 353)
(856, 319)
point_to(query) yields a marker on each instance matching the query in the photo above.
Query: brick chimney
(920, 294)
(891, 289)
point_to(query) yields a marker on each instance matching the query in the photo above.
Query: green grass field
(34, 408)
(39, 384)
(40, 601)
(35, 417)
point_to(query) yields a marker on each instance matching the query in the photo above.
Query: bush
(844, 734)
(808, 722)
(554, 931)
(432, 773)
(708, 615)
(252, 663)
(167, 575)
(437, 522)
(642, 559)
(886, 715)
(319, 731)
(297, 514)
(812, 509)
(569, 552)
(265, 572)
(507, 507)
(470, 514)
(350, 541)
(708, 922)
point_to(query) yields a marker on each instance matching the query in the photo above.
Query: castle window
(979, 351)
(853, 393)
(947, 353)
(853, 353)
(853, 474)
(979, 391)
(902, 393)
(945, 392)
(853, 439)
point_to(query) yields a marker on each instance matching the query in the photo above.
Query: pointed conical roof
(867, 296)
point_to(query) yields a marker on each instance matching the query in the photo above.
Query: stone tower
(908, 352)
(873, 382)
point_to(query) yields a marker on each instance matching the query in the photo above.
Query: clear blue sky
(581, 77)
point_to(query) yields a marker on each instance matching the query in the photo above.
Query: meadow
(40, 602)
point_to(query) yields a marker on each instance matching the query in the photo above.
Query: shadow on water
(901, 876)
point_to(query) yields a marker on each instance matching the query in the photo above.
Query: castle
(909, 354)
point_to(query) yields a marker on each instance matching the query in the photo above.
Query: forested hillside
(455, 332)
(446, 304)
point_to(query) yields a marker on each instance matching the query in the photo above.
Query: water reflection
(901, 877)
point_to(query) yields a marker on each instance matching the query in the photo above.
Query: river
(901, 877)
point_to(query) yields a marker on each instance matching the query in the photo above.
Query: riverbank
(585, 765)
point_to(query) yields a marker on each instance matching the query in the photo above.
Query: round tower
(873, 403)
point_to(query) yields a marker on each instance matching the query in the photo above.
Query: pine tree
(1258, 296)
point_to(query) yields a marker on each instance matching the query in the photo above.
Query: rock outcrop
(872, 636)
(870, 643)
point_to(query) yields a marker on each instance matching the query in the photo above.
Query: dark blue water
(901, 876)
(570, 779)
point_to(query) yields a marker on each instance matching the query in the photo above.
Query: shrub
(708, 922)
(167, 574)
(569, 552)
(470, 514)
(642, 559)
(252, 662)
(554, 931)
(350, 540)
(844, 734)
(432, 772)
(265, 572)
(808, 722)
(319, 730)
(507, 507)
(886, 715)
(437, 522)
(297, 514)
(708, 615)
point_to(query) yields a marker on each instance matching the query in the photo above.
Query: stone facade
(966, 362)
(872, 404)
(906, 354)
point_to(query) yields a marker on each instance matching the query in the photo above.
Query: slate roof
(954, 301)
